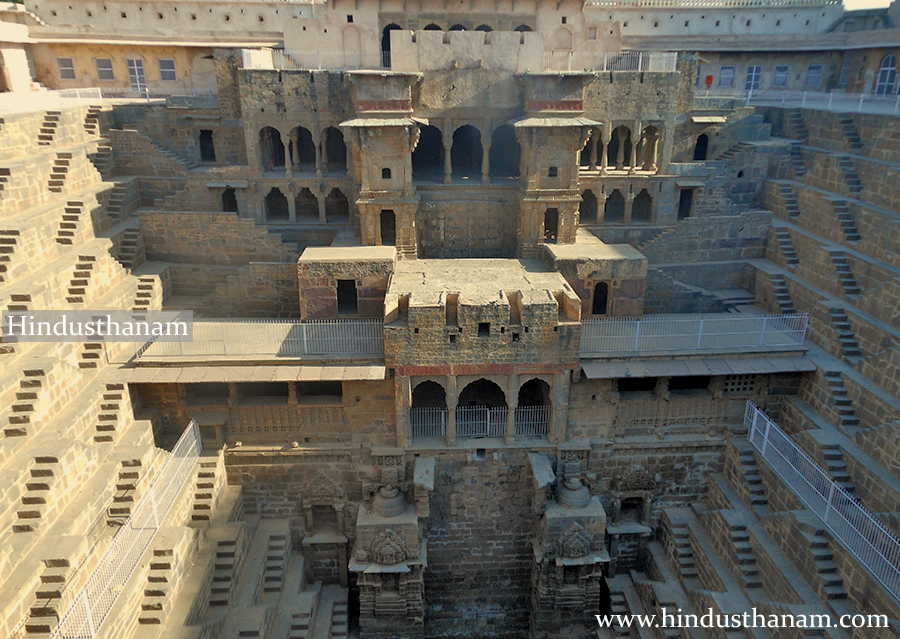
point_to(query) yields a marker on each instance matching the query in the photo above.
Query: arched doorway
(229, 201)
(481, 410)
(432, 27)
(386, 44)
(522, 28)
(428, 158)
(551, 226)
(307, 206)
(276, 205)
(466, 153)
(588, 206)
(271, 149)
(562, 39)
(505, 153)
(334, 157)
(484, 27)
(642, 210)
(701, 147)
(457, 27)
(337, 207)
(533, 410)
(887, 75)
(303, 149)
(600, 301)
(207, 147)
(614, 209)
(618, 151)
(650, 138)
(428, 413)
(388, 224)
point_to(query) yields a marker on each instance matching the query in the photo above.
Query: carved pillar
(318, 160)
(292, 205)
(620, 151)
(513, 401)
(594, 142)
(448, 166)
(629, 203)
(602, 151)
(287, 156)
(651, 154)
(405, 400)
(295, 153)
(601, 206)
(320, 200)
(324, 147)
(632, 159)
(486, 162)
(452, 398)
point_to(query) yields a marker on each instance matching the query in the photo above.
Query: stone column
(601, 206)
(295, 153)
(403, 404)
(594, 142)
(603, 148)
(292, 205)
(513, 402)
(292, 394)
(629, 203)
(448, 166)
(631, 161)
(324, 138)
(486, 162)
(620, 151)
(287, 157)
(320, 200)
(650, 154)
(318, 160)
(452, 398)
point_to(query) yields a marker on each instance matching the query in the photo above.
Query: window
(104, 69)
(484, 329)
(553, 172)
(592, 33)
(385, 174)
(814, 75)
(349, 19)
(66, 68)
(346, 297)
(887, 76)
(781, 75)
(699, 75)
(167, 70)
(754, 73)
(726, 76)
(136, 74)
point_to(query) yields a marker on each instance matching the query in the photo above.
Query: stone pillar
(452, 398)
(320, 199)
(448, 166)
(403, 406)
(602, 150)
(486, 162)
(324, 147)
(292, 394)
(601, 206)
(287, 157)
(513, 402)
(620, 151)
(318, 160)
(629, 203)
(292, 205)
(559, 414)
(295, 153)
(631, 161)
(650, 157)
(594, 142)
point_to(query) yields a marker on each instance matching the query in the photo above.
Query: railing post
(762, 332)
(862, 96)
(641, 61)
(828, 506)
(830, 100)
(606, 61)
(637, 335)
(700, 334)
(765, 443)
(90, 617)
(319, 57)
(570, 60)
(803, 101)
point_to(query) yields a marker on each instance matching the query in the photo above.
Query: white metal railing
(723, 332)
(533, 421)
(480, 421)
(708, 4)
(827, 101)
(867, 538)
(93, 603)
(273, 338)
(91, 93)
(428, 422)
(663, 61)
(290, 60)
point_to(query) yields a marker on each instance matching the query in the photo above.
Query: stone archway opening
(466, 153)
(337, 207)
(614, 209)
(505, 154)
(276, 206)
(303, 149)
(428, 157)
(271, 149)
(701, 147)
(588, 206)
(335, 157)
(386, 44)
(642, 210)
(618, 151)
(229, 201)
(482, 393)
(307, 206)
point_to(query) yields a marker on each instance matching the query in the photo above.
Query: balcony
(722, 333)
(271, 339)
(479, 421)
(659, 61)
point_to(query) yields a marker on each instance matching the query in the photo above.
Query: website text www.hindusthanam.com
(753, 619)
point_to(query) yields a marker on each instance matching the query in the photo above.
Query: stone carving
(575, 542)
(635, 478)
(324, 489)
(388, 548)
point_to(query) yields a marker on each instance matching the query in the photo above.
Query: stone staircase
(4, 181)
(102, 160)
(837, 467)
(782, 295)
(206, 484)
(48, 128)
(90, 355)
(832, 586)
(846, 337)
(223, 573)
(8, 244)
(795, 117)
(842, 402)
(130, 255)
(116, 202)
(752, 478)
(46, 609)
(845, 218)
(126, 487)
(851, 177)
(109, 416)
(276, 561)
(71, 219)
(59, 172)
(797, 163)
(786, 246)
(791, 205)
(38, 492)
(143, 297)
(740, 541)
(156, 591)
(733, 150)
(92, 121)
(81, 278)
(851, 134)
(619, 606)
(845, 273)
(30, 387)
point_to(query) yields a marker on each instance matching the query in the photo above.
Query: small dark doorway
(388, 228)
(534, 392)
(588, 206)
(457, 27)
(429, 394)
(276, 206)
(428, 158)
(642, 211)
(386, 44)
(272, 148)
(700, 147)
(346, 297)
(432, 27)
(505, 153)
(337, 207)
(551, 226)
(601, 298)
(229, 201)
(304, 156)
(207, 148)
(685, 203)
(482, 393)
(306, 205)
(614, 209)
(335, 150)
(466, 153)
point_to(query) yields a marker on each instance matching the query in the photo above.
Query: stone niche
(610, 279)
(344, 281)
(382, 91)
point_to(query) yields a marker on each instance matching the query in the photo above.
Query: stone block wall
(318, 284)
(665, 294)
(467, 229)
(707, 239)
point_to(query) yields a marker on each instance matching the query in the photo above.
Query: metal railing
(273, 338)
(888, 103)
(92, 605)
(289, 60)
(532, 421)
(428, 422)
(719, 332)
(708, 4)
(863, 535)
(480, 421)
(662, 61)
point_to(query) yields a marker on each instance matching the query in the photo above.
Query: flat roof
(213, 373)
(699, 367)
